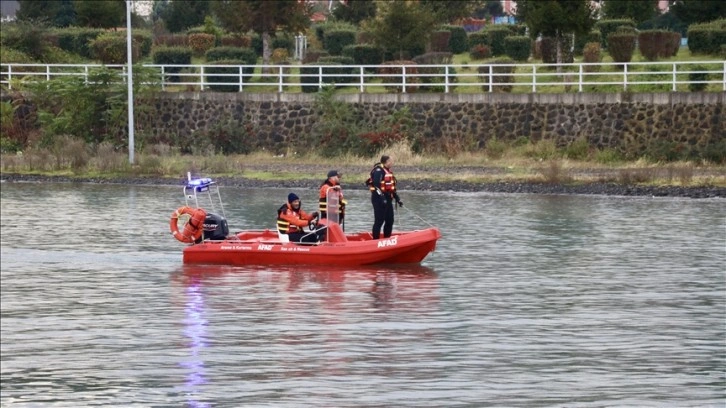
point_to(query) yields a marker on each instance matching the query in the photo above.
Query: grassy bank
(533, 163)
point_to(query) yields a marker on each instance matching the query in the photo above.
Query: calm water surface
(528, 301)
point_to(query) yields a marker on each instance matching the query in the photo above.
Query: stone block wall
(605, 120)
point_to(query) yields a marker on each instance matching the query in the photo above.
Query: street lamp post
(130, 80)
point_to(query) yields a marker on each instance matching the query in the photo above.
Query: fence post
(201, 82)
(10, 77)
(625, 77)
(279, 87)
(163, 79)
(241, 77)
(47, 72)
(320, 77)
(579, 85)
(446, 79)
(534, 78)
(724, 76)
(362, 89)
(674, 77)
(403, 77)
(85, 77)
(491, 78)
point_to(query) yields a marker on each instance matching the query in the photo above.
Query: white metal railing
(472, 78)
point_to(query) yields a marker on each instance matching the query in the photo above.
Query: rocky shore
(611, 189)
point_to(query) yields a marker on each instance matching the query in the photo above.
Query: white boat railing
(460, 78)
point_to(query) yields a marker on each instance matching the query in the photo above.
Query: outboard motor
(215, 227)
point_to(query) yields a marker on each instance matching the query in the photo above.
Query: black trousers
(382, 214)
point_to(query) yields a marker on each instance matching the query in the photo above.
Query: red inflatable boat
(268, 247)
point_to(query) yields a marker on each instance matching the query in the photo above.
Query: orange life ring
(194, 226)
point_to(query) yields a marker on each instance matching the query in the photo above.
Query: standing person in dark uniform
(382, 184)
(291, 219)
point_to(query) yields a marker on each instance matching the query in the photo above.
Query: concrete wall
(605, 120)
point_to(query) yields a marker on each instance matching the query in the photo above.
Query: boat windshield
(333, 205)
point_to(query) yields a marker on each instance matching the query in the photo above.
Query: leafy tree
(264, 17)
(180, 15)
(698, 11)
(100, 13)
(56, 13)
(637, 10)
(451, 10)
(355, 11)
(556, 18)
(490, 8)
(402, 27)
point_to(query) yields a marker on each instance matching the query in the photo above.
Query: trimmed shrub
(77, 40)
(331, 75)
(458, 41)
(502, 78)
(592, 54)
(245, 56)
(239, 41)
(200, 43)
(283, 41)
(581, 40)
(518, 47)
(364, 54)
(279, 55)
(607, 27)
(313, 55)
(697, 79)
(230, 76)
(480, 51)
(110, 48)
(496, 36)
(172, 56)
(434, 75)
(477, 38)
(621, 47)
(145, 41)
(171, 40)
(336, 40)
(673, 44)
(440, 41)
(396, 77)
(707, 38)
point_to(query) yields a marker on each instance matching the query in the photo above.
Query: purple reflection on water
(195, 328)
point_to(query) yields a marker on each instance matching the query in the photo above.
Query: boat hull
(263, 247)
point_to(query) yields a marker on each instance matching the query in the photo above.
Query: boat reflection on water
(293, 310)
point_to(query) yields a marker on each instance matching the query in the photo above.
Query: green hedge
(308, 75)
(172, 56)
(78, 40)
(110, 48)
(504, 81)
(211, 74)
(434, 75)
(245, 56)
(518, 47)
(478, 38)
(364, 54)
(496, 36)
(607, 27)
(707, 38)
(336, 40)
(458, 42)
(621, 47)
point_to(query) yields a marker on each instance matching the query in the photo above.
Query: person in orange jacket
(291, 219)
(332, 183)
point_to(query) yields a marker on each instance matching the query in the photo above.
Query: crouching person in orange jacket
(291, 219)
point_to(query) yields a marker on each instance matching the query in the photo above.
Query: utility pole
(130, 80)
